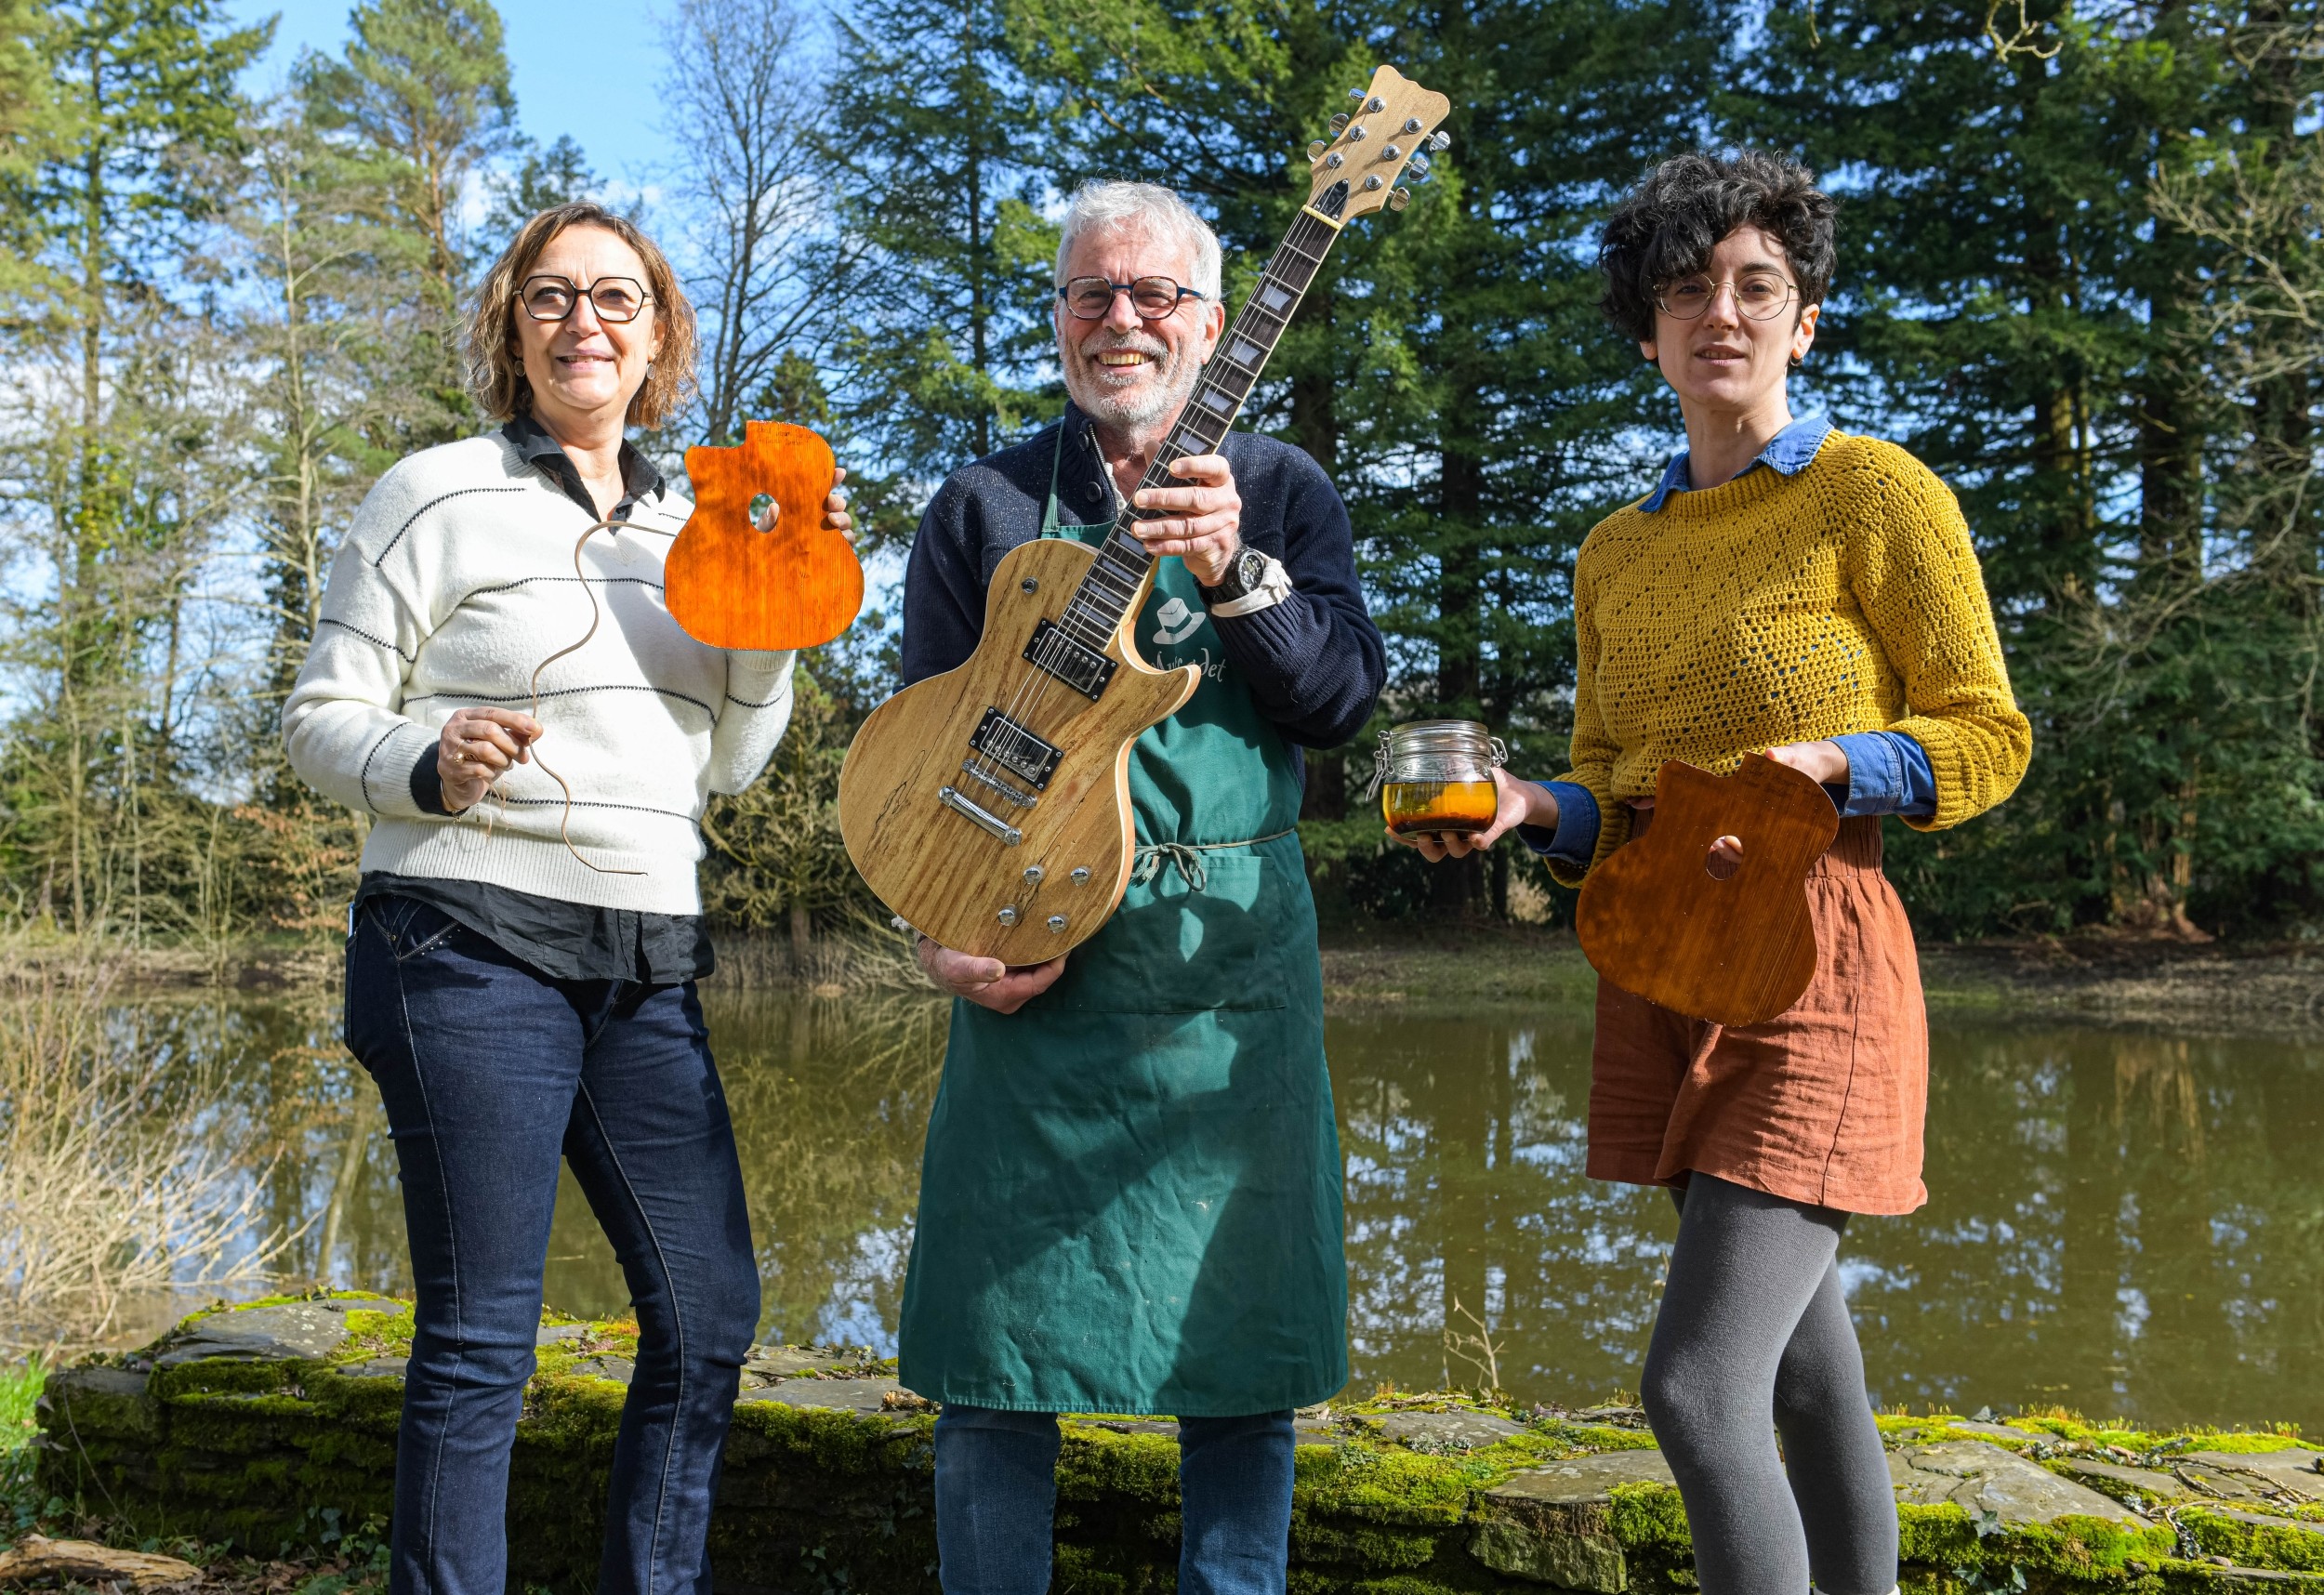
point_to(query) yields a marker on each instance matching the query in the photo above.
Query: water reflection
(2120, 1222)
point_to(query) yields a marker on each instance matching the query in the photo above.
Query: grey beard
(1141, 408)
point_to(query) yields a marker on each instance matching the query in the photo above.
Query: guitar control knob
(1399, 198)
(1081, 876)
(1028, 585)
(1007, 916)
(1057, 924)
(1033, 874)
(1315, 151)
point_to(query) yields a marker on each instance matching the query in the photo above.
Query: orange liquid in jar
(1438, 806)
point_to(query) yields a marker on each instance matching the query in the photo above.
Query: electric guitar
(989, 807)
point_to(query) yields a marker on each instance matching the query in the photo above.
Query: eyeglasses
(1759, 295)
(615, 300)
(1153, 297)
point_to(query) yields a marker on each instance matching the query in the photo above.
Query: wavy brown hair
(496, 363)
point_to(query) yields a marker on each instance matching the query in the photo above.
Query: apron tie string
(1186, 857)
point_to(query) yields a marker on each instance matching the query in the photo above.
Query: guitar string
(1038, 680)
(597, 615)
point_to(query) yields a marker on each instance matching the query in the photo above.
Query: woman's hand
(477, 747)
(987, 982)
(1522, 803)
(835, 515)
(1822, 762)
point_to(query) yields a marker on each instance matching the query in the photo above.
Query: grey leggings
(1753, 1325)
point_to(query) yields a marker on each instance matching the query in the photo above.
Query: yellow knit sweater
(1776, 609)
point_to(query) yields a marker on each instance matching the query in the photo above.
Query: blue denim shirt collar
(1787, 453)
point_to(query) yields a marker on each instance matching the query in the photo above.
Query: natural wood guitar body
(1737, 952)
(949, 876)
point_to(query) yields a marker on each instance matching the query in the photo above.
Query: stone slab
(2259, 1474)
(556, 1333)
(1583, 1481)
(771, 1363)
(310, 1330)
(618, 1369)
(2144, 1481)
(376, 1368)
(1978, 1477)
(1441, 1431)
(846, 1395)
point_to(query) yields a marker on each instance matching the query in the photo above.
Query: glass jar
(1437, 776)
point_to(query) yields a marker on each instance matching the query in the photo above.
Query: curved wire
(597, 616)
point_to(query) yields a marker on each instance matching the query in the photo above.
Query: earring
(1796, 364)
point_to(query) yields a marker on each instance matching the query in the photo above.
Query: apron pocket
(1170, 949)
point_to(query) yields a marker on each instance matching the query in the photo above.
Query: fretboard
(1115, 579)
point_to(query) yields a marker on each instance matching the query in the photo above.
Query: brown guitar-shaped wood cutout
(1655, 921)
(794, 584)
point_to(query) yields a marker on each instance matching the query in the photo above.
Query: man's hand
(987, 982)
(1522, 803)
(476, 747)
(1205, 526)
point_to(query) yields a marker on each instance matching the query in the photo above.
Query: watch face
(1250, 566)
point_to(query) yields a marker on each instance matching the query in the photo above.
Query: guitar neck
(1119, 573)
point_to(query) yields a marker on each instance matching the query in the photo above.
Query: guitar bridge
(999, 784)
(1016, 749)
(1083, 669)
(968, 808)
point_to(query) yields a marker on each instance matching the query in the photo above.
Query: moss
(2288, 1547)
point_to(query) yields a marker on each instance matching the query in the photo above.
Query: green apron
(1130, 1201)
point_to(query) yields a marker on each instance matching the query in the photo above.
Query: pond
(2120, 1221)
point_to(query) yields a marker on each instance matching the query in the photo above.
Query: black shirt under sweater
(564, 940)
(1314, 663)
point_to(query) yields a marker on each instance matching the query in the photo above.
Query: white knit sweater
(454, 582)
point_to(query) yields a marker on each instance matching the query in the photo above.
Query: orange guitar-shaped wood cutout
(1738, 951)
(795, 585)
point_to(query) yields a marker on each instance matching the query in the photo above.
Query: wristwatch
(1254, 581)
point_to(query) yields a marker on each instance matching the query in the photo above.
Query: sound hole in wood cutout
(764, 512)
(1720, 861)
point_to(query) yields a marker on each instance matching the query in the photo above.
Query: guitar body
(948, 874)
(796, 585)
(1735, 952)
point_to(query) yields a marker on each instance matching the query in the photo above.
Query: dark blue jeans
(996, 1494)
(491, 1072)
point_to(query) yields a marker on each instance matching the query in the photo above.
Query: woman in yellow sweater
(1789, 589)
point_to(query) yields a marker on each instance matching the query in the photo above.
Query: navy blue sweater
(1313, 663)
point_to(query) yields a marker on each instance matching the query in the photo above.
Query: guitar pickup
(1083, 669)
(1016, 749)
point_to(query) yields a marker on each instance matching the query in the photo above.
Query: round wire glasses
(1759, 295)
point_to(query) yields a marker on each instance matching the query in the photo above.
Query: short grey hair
(1098, 206)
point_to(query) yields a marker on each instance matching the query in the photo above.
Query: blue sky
(562, 54)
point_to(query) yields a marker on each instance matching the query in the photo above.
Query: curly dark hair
(1666, 228)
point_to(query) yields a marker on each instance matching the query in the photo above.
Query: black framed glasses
(1759, 295)
(1153, 297)
(615, 300)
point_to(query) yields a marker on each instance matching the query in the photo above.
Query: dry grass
(122, 1175)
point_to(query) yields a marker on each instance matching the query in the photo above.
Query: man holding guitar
(1131, 1199)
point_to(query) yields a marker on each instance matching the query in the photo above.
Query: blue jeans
(996, 1492)
(491, 1072)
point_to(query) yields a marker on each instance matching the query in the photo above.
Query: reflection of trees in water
(2114, 1225)
(1463, 1142)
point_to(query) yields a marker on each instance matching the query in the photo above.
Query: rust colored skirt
(1822, 1104)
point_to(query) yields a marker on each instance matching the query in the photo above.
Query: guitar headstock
(1387, 129)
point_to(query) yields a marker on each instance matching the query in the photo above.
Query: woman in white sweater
(517, 999)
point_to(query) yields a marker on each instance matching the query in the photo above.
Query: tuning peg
(1412, 125)
(1315, 151)
(1418, 168)
(1399, 198)
(1376, 106)
(1339, 123)
(1356, 95)
(1438, 140)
